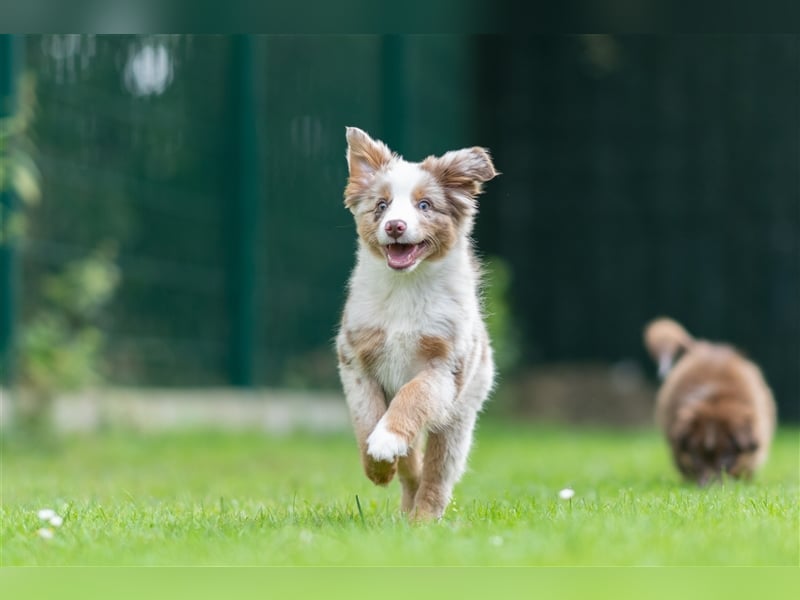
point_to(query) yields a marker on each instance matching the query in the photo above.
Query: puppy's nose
(395, 228)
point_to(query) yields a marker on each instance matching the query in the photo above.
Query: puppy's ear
(462, 170)
(365, 157)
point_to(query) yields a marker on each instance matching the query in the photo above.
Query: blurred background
(173, 228)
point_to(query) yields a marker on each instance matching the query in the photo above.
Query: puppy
(714, 406)
(414, 355)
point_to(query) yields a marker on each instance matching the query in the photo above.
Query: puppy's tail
(664, 339)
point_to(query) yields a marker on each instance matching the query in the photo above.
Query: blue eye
(381, 206)
(424, 205)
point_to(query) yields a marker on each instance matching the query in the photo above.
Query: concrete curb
(144, 409)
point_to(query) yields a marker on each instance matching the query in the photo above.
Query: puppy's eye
(424, 205)
(381, 206)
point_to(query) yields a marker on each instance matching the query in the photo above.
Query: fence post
(245, 211)
(10, 60)
(393, 92)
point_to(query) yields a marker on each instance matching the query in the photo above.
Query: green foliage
(60, 346)
(85, 285)
(499, 318)
(249, 499)
(56, 358)
(18, 171)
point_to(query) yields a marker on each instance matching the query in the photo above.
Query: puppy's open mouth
(403, 256)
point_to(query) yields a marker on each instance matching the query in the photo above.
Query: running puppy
(714, 406)
(414, 355)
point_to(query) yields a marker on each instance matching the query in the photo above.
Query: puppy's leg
(424, 400)
(367, 404)
(409, 470)
(445, 461)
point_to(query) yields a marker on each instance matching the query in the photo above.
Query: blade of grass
(360, 512)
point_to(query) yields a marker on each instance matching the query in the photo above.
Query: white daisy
(46, 514)
(566, 493)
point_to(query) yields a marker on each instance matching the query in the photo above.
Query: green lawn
(250, 499)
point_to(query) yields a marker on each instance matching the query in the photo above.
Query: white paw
(384, 445)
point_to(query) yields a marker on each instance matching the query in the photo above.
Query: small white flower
(56, 521)
(496, 540)
(45, 533)
(566, 493)
(46, 514)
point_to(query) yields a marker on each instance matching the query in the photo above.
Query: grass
(249, 499)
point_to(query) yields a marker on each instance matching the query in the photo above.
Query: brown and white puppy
(414, 355)
(714, 406)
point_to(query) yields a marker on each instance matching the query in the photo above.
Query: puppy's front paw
(383, 445)
(379, 472)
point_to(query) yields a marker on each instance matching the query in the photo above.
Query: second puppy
(714, 406)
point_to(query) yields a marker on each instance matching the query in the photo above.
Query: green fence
(223, 192)
(648, 175)
(641, 175)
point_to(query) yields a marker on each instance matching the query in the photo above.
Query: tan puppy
(414, 355)
(714, 406)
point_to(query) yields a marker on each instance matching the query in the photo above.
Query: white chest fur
(437, 301)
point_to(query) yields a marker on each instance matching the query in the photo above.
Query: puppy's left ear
(464, 170)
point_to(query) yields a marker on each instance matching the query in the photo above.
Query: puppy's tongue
(402, 256)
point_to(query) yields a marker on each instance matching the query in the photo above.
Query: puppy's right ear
(365, 157)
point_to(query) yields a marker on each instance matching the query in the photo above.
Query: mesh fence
(646, 176)
(641, 176)
(158, 168)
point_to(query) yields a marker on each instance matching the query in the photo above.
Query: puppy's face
(410, 212)
(711, 442)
